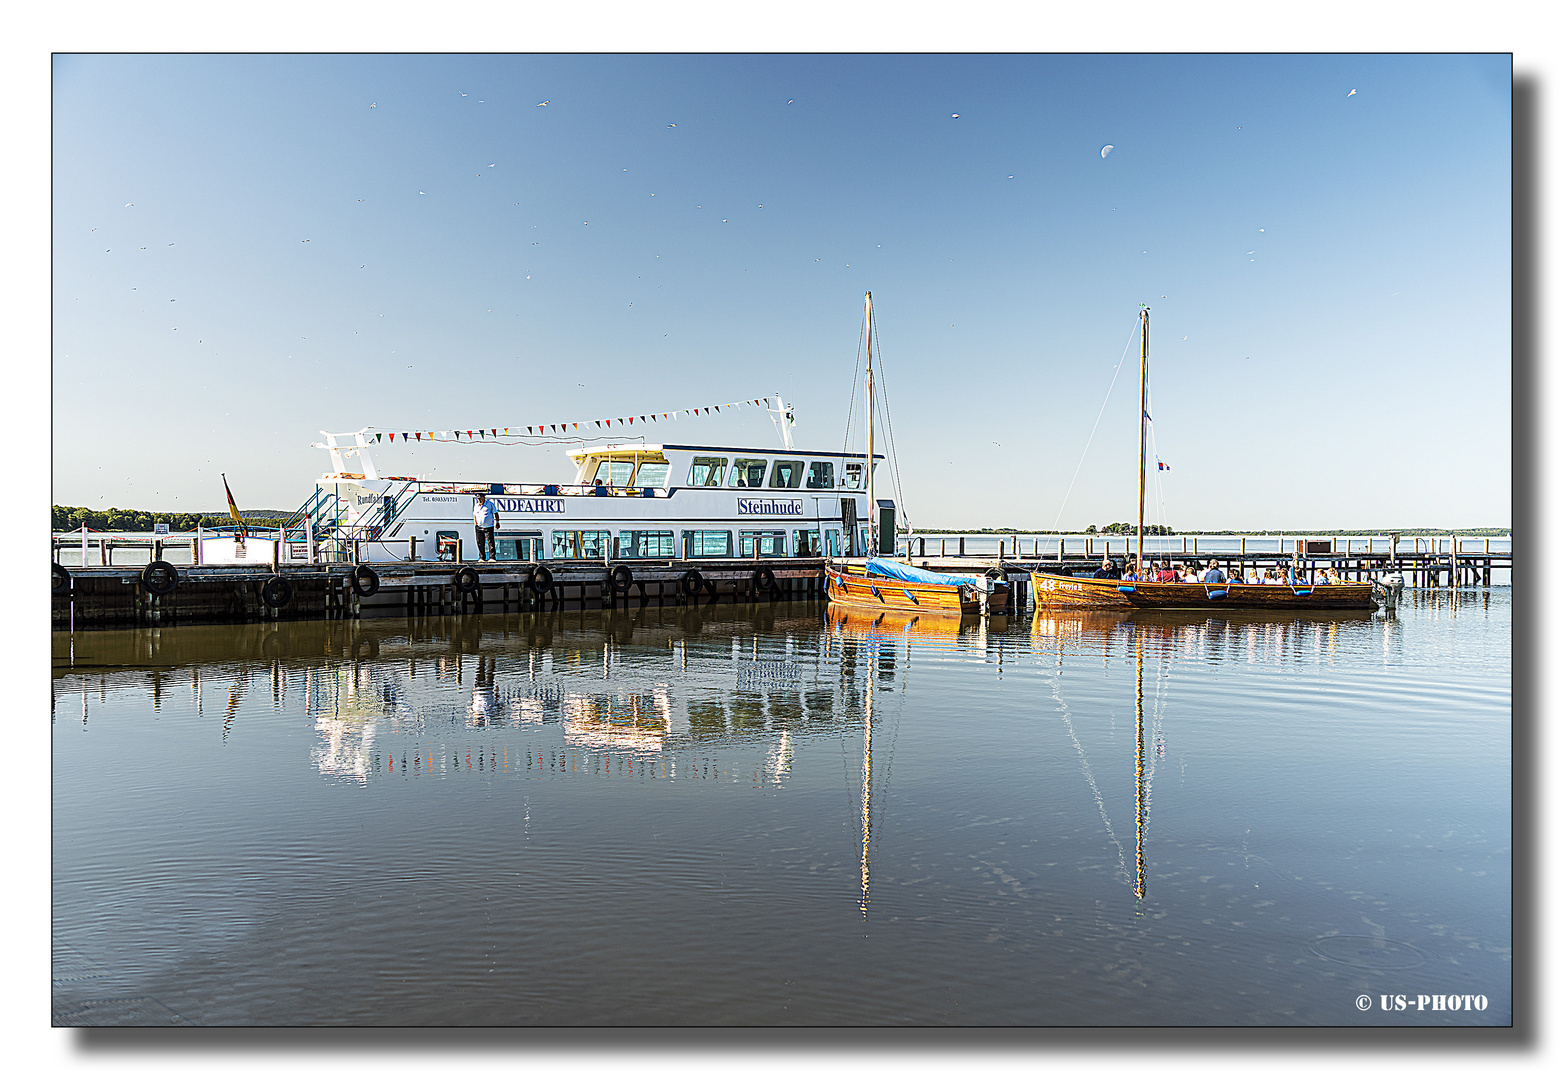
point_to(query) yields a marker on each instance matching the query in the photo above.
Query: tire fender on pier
(691, 582)
(764, 580)
(466, 580)
(59, 580)
(366, 582)
(159, 578)
(277, 591)
(622, 578)
(541, 580)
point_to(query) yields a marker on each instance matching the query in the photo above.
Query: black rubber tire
(159, 578)
(541, 580)
(59, 579)
(764, 580)
(691, 583)
(466, 580)
(623, 578)
(277, 591)
(366, 582)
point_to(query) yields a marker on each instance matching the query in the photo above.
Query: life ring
(277, 591)
(541, 580)
(59, 580)
(366, 582)
(691, 582)
(621, 578)
(159, 578)
(466, 580)
(764, 580)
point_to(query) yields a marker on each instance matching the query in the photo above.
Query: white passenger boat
(627, 500)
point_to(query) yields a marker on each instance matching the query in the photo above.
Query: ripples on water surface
(663, 817)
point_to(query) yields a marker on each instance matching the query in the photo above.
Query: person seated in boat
(1332, 577)
(1253, 576)
(1164, 573)
(1212, 574)
(1106, 570)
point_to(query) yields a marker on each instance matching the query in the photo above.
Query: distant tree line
(113, 519)
(1124, 528)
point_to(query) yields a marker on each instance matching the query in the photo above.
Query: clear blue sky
(1329, 274)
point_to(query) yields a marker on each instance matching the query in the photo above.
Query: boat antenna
(868, 457)
(1140, 520)
(782, 418)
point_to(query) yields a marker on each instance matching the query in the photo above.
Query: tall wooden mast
(868, 457)
(1140, 520)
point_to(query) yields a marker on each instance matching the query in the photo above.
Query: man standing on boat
(486, 516)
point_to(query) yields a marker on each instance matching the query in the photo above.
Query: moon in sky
(1107, 148)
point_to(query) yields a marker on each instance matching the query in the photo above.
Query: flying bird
(459, 92)
(673, 125)
(1351, 92)
(1107, 149)
(955, 116)
(541, 104)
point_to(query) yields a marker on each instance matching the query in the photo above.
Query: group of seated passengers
(1186, 573)
(1294, 575)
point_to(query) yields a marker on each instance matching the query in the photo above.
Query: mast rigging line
(1093, 434)
(885, 410)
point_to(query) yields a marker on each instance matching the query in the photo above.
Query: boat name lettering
(791, 507)
(530, 506)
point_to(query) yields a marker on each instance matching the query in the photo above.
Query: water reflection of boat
(932, 627)
(1065, 591)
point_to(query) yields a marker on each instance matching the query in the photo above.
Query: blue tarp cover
(904, 572)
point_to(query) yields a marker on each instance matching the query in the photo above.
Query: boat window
(707, 471)
(820, 475)
(806, 541)
(575, 544)
(833, 543)
(523, 546)
(763, 544)
(645, 545)
(447, 546)
(852, 475)
(652, 474)
(749, 472)
(704, 543)
(787, 474)
(614, 473)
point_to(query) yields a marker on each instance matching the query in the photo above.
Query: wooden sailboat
(1131, 593)
(884, 584)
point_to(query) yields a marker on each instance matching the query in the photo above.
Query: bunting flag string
(567, 429)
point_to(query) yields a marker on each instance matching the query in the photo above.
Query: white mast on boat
(868, 457)
(1140, 520)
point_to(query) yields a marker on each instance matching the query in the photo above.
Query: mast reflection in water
(784, 814)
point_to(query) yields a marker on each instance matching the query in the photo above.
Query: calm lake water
(777, 815)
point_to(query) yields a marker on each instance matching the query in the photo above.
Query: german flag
(233, 507)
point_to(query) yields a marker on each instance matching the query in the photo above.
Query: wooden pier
(115, 596)
(109, 596)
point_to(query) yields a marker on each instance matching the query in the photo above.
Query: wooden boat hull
(889, 594)
(1057, 591)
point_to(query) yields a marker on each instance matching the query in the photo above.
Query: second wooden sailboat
(1136, 591)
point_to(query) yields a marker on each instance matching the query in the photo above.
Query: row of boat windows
(737, 472)
(662, 544)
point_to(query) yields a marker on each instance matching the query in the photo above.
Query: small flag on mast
(233, 507)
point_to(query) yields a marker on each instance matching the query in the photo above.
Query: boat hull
(1057, 591)
(891, 594)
